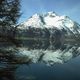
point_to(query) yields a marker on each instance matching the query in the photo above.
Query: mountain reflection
(41, 44)
(7, 71)
(34, 51)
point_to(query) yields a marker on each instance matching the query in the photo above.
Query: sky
(69, 8)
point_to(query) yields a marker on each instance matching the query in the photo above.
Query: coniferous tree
(9, 15)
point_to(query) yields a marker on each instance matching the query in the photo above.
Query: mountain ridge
(50, 20)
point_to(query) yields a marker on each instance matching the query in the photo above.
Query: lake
(43, 70)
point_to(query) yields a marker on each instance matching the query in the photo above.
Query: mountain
(44, 37)
(48, 25)
(51, 20)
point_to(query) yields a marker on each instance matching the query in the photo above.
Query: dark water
(40, 71)
(68, 71)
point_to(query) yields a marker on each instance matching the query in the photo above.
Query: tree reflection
(7, 73)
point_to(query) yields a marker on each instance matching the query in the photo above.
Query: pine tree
(9, 15)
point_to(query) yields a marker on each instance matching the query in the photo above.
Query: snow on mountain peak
(50, 14)
(49, 20)
(37, 20)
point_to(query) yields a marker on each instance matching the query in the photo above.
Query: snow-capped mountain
(42, 33)
(51, 20)
(49, 26)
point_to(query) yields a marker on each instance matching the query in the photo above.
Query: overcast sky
(70, 8)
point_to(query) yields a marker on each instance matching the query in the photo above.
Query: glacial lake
(69, 70)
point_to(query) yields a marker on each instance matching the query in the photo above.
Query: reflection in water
(48, 51)
(41, 44)
(37, 51)
(7, 71)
